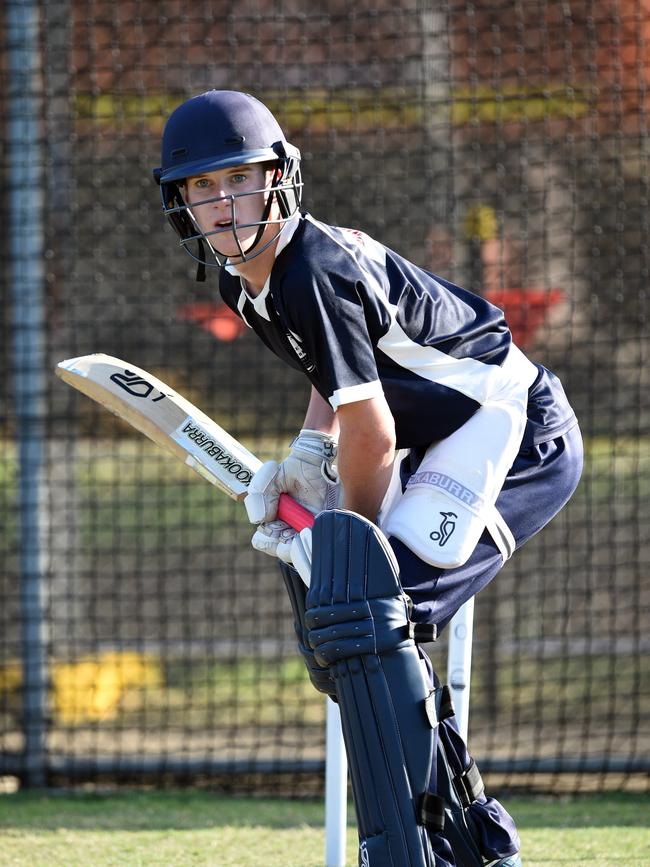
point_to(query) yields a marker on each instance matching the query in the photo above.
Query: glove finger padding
(297, 553)
(271, 536)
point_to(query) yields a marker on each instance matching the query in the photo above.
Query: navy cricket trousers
(539, 483)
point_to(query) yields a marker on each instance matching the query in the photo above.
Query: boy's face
(220, 215)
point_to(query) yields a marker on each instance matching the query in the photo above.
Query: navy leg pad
(297, 591)
(357, 616)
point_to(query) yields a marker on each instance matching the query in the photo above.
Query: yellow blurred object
(481, 223)
(90, 689)
(10, 676)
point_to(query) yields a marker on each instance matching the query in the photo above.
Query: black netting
(503, 145)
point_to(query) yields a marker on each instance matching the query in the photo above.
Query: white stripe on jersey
(473, 378)
(351, 393)
(470, 377)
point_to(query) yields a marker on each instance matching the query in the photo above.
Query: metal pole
(336, 789)
(435, 77)
(459, 662)
(27, 289)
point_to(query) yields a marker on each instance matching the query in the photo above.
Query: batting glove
(274, 537)
(307, 473)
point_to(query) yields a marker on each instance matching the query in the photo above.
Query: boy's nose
(223, 200)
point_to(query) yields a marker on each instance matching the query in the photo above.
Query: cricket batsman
(432, 448)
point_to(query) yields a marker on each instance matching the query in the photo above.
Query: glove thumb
(258, 501)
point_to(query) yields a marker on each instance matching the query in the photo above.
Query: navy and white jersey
(361, 320)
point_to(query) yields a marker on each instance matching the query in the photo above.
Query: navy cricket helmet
(217, 130)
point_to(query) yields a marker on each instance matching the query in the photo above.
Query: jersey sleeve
(330, 320)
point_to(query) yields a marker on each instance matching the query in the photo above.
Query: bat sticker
(133, 384)
(199, 440)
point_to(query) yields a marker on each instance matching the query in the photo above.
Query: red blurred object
(525, 309)
(215, 318)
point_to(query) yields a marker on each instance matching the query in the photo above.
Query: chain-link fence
(503, 145)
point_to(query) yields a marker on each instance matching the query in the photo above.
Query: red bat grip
(293, 513)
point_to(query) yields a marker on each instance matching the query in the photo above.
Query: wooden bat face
(175, 424)
(167, 418)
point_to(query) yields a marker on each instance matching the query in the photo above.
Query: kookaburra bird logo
(447, 527)
(364, 858)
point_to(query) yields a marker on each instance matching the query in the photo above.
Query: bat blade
(174, 423)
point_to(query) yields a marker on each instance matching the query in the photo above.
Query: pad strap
(432, 812)
(422, 633)
(445, 703)
(469, 785)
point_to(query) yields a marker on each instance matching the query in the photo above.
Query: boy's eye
(206, 183)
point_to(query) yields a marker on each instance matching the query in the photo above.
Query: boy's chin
(232, 252)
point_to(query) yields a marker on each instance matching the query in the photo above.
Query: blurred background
(502, 144)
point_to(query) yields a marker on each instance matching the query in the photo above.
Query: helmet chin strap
(200, 268)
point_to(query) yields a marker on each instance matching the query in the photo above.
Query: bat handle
(293, 513)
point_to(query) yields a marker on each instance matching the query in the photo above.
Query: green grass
(166, 829)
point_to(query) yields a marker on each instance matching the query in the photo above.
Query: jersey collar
(259, 301)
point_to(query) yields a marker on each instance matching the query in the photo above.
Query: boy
(443, 432)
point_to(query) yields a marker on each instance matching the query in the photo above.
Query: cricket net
(503, 145)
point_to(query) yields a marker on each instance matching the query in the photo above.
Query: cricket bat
(175, 424)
